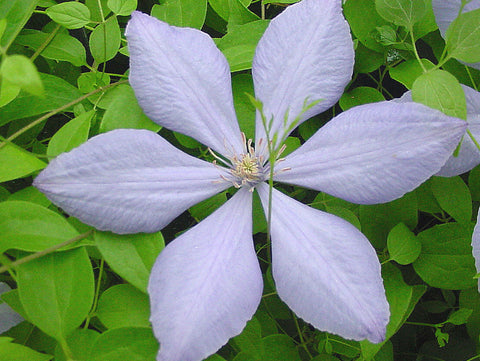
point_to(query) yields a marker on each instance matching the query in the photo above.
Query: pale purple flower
(206, 284)
(446, 11)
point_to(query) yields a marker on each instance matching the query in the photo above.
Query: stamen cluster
(247, 169)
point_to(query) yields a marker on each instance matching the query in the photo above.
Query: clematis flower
(206, 284)
(446, 11)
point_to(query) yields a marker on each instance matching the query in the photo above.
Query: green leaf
(57, 93)
(3, 26)
(377, 220)
(8, 92)
(16, 13)
(31, 227)
(15, 162)
(235, 12)
(280, 1)
(279, 347)
(339, 346)
(460, 316)
(30, 194)
(325, 357)
(387, 35)
(105, 40)
(401, 12)
(346, 214)
(120, 344)
(454, 197)
(367, 60)
(124, 112)
(80, 343)
(122, 7)
(71, 135)
(208, 206)
(20, 70)
(474, 183)
(470, 298)
(239, 44)
(440, 90)
(364, 20)
(446, 260)
(98, 9)
(62, 47)
(403, 246)
(123, 306)
(186, 141)
(71, 14)
(215, 358)
(57, 291)
(249, 341)
(465, 75)
(259, 219)
(360, 95)
(402, 299)
(462, 37)
(189, 13)
(15, 352)
(426, 200)
(242, 84)
(88, 82)
(131, 256)
(12, 299)
(408, 71)
(427, 23)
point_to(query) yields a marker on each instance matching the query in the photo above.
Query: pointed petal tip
(182, 82)
(375, 153)
(127, 181)
(328, 263)
(377, 332)
(284, 78)
(206, 284)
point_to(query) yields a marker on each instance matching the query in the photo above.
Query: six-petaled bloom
(207, 283)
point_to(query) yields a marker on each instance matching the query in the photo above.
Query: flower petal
(446, 11)
(182, 82)
(476, 246)
(8, 317)
(325, 270)
(469, 156)
(306, 54)
(374, 153)
(128, 181)
(206, 284)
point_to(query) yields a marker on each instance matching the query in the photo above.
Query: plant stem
(97, 293)
(415, 50)
(44, 252)
(473, 139)
(300, 336)
(45, 43)
(56, 111)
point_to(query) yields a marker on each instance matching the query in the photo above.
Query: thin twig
(56, 111)
(49, 250)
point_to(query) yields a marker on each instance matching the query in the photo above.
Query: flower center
(247, 169)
